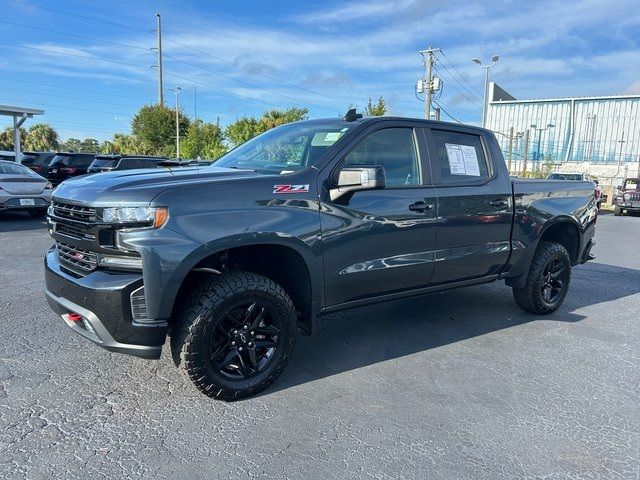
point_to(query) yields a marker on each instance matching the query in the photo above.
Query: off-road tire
(209, 299)
(530, 298)
(617, 211)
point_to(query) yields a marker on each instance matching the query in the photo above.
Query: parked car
(627, 197)
(108, 163)
(306, 219)
(579, 177)
(23, 189)
(67, 165)
(7, 155)
(37, 161)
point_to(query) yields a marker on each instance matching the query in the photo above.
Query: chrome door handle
(420, 207)
(499, 203)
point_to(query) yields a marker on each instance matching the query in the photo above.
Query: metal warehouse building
(599, 135)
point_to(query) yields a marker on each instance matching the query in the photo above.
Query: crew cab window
(395, 150)
(459, 157)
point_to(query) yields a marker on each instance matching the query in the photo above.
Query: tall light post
(485, 103)
(177, 91)
(539, 131)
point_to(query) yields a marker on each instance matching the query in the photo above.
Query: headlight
(626, 197)
(151, 216)
(134, 263)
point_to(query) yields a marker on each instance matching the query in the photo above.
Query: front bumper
(102, 300)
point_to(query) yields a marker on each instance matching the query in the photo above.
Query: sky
(90, 65)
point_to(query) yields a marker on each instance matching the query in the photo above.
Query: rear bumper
(102, 300)
(12, 202)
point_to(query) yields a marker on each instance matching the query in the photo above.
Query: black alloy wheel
(244, 340)
(553, 282)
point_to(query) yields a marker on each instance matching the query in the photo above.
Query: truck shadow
(20, 221)
(365, 336)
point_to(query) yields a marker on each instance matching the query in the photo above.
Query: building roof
(19, 111)
(498, 95)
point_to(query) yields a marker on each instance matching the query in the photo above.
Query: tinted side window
(82, 161)
(395, 150)
(459, 157)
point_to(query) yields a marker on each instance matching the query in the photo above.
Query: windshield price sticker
(463, 160)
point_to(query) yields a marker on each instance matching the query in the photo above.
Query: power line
(462, 77)
(33, 27)
(473, 99)
(447, 113)
(229, 62)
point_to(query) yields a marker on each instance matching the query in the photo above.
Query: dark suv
(37, 161)
(67, 165)
(627, 197)
(108, 163)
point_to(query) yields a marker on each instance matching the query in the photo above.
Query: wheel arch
(286, 260)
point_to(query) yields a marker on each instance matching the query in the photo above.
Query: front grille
(74, 212)
(74, 231)
(634, 197)
(77, 258)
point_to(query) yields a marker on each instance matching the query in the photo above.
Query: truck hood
(137, 187)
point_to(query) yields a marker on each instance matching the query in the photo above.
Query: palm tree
(41, 137)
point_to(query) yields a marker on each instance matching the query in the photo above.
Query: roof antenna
(351, 115)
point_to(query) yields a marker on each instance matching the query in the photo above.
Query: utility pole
(526, 150)
(195, 103)
(428, 61)
(510, 149)
(159, 31)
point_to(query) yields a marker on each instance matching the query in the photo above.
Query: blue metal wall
(599, 125)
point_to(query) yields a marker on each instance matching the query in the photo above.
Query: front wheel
(234, 334)
(548, 280)
(617, 211)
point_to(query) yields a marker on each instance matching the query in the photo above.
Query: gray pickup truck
(232, 260)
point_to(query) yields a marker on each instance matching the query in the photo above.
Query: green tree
(90, 145)
(246, 128)
(203, 140)
(41, 137)
(71, 145)
(155, 127)
(377, 109)
(6, 138)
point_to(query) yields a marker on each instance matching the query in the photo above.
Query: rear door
(378, 242)
(474, 206)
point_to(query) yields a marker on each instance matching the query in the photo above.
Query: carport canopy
(19, 114)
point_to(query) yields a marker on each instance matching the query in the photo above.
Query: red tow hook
(75, 317)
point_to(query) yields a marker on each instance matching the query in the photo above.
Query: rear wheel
(548, 280)
(617, 211)
(234, 334)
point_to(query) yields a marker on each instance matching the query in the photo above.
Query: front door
(378, 242)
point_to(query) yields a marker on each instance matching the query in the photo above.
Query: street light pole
(485, 103)
(539, 131)
(177, 91)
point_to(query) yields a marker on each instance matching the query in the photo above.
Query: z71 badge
(290, 188)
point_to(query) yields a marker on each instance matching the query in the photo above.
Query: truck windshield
(631, 183)
(285, 149)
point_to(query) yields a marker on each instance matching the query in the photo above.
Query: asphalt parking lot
(455, 385)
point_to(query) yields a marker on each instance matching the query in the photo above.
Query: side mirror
(352, 179)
